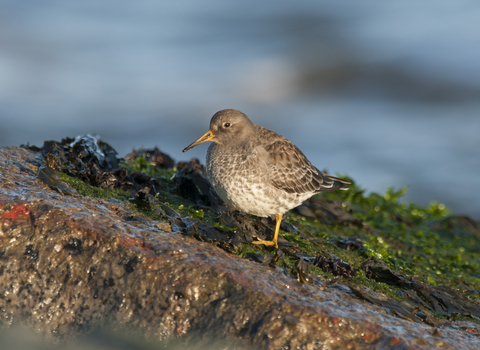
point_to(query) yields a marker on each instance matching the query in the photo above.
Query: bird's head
(227, 126)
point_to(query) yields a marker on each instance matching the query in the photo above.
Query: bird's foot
(261, 241)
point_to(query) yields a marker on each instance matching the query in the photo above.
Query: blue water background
(387, 92)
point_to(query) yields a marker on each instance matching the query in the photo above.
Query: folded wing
(292, 172)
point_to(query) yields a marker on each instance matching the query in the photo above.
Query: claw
(261, 241)
(275, 236)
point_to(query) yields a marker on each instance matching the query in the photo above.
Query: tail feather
(335, 183)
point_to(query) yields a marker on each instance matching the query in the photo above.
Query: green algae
(418, 241)
(141, 165)
(422, 241)
(166, 194)
(87, 190)
(248, 250)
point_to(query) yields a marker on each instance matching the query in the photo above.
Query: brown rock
(71, 264)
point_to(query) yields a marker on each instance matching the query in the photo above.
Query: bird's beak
(207, 137)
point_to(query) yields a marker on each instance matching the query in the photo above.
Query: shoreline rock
(71, 264)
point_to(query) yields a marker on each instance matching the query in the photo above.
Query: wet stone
(191, 183)
(74, 245)
(31, 253)
(119, 178)
(397, 308)
(350, 244)
(71, 265)
(335, 266)
(93, 161)
(72, 154)
(153, 156)
(301, 266)
(327, 212)
(48, 176)
(440, 299)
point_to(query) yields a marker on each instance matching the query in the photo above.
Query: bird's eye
(227, 125)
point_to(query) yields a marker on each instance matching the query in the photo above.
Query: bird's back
(289, 168)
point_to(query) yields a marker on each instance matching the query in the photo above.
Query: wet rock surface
(441, 300)
(191, 182)
(336, 266)
(153, 156)
(70, 264)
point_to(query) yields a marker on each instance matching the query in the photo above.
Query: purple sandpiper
(259, 172)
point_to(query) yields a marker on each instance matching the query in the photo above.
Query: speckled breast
(242, 181)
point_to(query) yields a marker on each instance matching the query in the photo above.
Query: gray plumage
(257, 171)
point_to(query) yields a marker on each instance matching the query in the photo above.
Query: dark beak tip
(207, 137)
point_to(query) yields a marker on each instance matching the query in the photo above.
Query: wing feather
(291, 171)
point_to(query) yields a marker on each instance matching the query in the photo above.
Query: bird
(258, 171)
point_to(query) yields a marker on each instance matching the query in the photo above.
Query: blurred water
(388, 93)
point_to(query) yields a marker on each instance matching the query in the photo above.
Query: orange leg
(275, 236)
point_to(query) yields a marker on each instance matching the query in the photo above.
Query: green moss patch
(422, 241)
